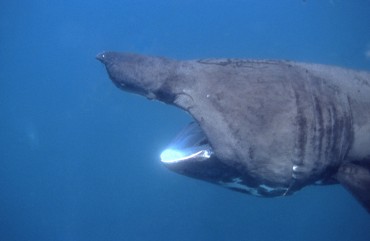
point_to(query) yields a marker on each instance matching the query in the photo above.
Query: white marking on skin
(295, 169)
(271, 189)
(267, 188)
(236, 183)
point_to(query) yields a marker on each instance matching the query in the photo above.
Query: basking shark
(262, 127)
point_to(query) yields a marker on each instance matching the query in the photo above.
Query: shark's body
(266, 128)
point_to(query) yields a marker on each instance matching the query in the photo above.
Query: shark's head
(207, 148)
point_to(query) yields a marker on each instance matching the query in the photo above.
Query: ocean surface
(79, 159)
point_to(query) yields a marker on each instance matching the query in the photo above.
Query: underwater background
(79, 159)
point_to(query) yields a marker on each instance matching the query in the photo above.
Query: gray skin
(276, 124)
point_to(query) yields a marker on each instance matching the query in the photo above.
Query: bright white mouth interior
(173, 156)
(190, 144)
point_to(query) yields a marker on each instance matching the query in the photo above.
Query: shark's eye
(190, 144)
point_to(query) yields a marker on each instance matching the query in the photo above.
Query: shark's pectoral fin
(356, 179)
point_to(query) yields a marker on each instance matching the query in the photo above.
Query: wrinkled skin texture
(276, 123)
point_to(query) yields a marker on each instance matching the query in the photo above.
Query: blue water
(79, 159)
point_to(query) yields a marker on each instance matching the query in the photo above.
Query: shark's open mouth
(191, 154)
(190, 144)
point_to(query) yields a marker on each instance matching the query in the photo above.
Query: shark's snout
(101, 57)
